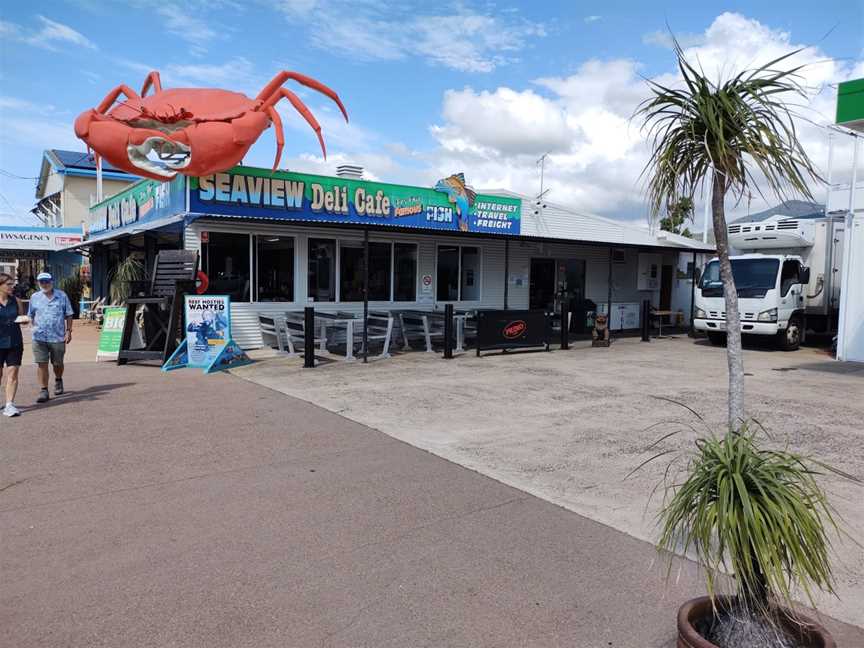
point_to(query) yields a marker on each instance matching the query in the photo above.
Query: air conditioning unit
(772, 234)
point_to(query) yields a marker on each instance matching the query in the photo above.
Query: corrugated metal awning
(129, 230)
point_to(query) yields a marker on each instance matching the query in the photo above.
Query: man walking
(51, 318)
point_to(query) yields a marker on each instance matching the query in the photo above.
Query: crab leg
(152, 80)
(280, 134)
(270, 89)
(111, 97)
(301, 108)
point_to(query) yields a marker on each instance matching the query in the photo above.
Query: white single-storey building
(281, 241)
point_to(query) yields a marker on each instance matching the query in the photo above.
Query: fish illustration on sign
(458, 194)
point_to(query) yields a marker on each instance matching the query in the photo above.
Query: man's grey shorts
(49, 351)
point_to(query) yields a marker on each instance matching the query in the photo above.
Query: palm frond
(743, 128)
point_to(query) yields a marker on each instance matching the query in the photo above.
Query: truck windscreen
(753, 277)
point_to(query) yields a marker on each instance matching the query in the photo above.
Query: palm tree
(724, 135)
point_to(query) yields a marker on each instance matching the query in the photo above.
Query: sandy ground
(569, 426)
(151, 510)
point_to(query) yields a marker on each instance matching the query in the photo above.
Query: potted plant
(122, 278)
(73, 286)
(758, 512)
(758, 515)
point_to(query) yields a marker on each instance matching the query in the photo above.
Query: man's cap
(44, 276)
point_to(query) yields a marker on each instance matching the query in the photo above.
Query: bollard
(565, 333)
(308, 337)
(644, 320)
(448, 332)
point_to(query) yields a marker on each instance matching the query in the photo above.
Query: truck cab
(771, 298)
(787, 272)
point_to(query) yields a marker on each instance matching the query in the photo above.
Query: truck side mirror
(804, 276)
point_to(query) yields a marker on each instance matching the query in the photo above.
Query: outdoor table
(660, 314)
(331, 319)
(461, 319)
(425, 317)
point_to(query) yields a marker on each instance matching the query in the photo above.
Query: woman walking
(11, 342)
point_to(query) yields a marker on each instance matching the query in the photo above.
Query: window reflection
(275, 268)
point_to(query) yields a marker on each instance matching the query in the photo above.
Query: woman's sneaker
(58, 386)
(43, 395)
(11, 410)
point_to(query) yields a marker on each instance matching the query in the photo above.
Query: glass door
(542, 284)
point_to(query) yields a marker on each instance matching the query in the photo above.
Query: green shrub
(754, 512)
(73, 286)
(128, 270)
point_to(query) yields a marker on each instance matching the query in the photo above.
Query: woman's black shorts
(11, 357)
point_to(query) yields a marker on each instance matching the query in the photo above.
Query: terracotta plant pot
(809, 633)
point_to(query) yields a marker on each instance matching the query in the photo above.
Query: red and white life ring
(201, 283)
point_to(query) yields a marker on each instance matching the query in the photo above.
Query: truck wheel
(717, 339)
(790, 339)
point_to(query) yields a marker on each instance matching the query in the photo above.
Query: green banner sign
(450, 205)
(112, 331)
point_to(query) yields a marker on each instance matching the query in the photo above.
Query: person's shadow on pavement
(75, 396)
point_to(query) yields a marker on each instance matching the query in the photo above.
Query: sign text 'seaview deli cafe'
(279, 241)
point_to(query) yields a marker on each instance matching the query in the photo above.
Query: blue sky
(484, 88)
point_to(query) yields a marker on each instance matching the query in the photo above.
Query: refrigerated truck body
(788, 276)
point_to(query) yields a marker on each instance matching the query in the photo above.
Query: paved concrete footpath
(144, 509)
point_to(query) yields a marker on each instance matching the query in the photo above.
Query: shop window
(469, 286)
(275, 268)
(227, 265)
(322, 270)
(448, 273)
(351, 271)
(405, 272)
(458, 273)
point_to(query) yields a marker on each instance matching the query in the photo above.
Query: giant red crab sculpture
(193, 131)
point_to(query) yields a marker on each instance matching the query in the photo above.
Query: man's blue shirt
(48, 316)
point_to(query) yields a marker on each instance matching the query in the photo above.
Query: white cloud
(192, 29)
(463, 39)
(583, 119)
(35, 124)
(592, 19)
(666, 39)
(505, 122)
(236, 74)
(50, 34)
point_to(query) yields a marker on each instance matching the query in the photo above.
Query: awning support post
(506, 271)
(609, 296)
(365, 296)
(693, 295)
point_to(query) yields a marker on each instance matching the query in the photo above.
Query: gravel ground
(569, 426)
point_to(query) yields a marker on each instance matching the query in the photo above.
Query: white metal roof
(557, 221)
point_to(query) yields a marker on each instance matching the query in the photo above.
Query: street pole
(365, 296)
(506, 270)
(848, 252)
(98, 178)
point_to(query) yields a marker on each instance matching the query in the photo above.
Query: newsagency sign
(260, 193)
(46, 239)
(144, 201)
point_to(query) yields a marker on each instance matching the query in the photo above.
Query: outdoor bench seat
(379, 327)
(420, 325)
(287, 332)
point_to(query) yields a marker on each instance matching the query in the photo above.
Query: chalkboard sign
(512, 329)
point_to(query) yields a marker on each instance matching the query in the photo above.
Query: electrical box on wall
(649, 272)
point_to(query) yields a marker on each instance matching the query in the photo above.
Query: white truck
(787, 277)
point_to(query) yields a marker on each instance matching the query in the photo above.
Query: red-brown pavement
(148, 509)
